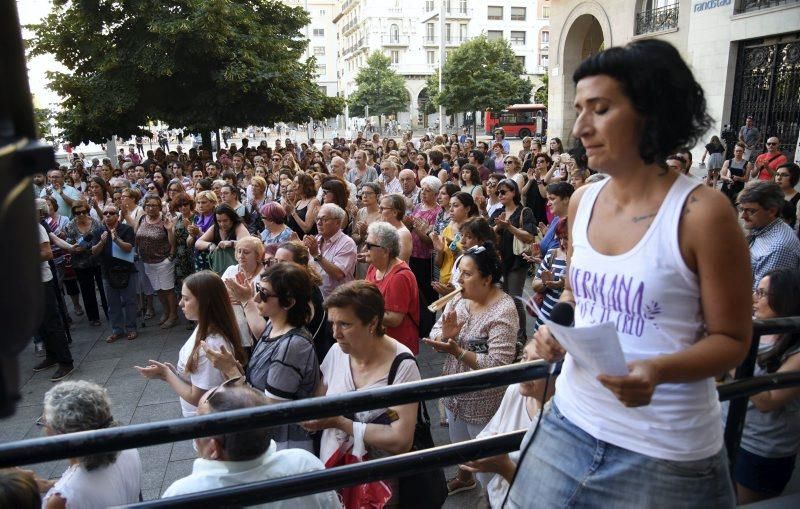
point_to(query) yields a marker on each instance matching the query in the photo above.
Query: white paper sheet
(595, 349)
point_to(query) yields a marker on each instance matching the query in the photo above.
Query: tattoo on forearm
(639, 219)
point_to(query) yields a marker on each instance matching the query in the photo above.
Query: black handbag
(426, 489)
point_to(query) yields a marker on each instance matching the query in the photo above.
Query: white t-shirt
(210, 474)
(511, 416)
(337, 375)
(205, 375)
(47, 274)
(238, 309)
(116, 484)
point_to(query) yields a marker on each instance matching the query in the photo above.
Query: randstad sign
(710, 4)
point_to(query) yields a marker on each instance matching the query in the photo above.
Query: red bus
(518, 120)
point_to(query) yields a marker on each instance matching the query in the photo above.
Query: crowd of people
(308, 269)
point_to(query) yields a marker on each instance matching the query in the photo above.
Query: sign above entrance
(710, 4)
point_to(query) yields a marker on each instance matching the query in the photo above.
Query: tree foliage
(44, 124)
(480, 74)
(198, 64)
(540, 96)
(379, 87)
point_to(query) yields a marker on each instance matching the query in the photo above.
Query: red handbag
(372, 495)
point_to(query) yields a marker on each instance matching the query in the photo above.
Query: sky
(32, 11)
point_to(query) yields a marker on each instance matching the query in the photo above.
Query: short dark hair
(291, 282)
(766, 193)
(479, 228)
(467, 201)
(246, 444)
(794, 172)
(363, 298)
(478, 155)
(655, 78)
(560, 189)
(435, 157)
(784, 285)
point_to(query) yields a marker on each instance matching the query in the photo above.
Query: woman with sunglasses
(478, 330)
(492, 202)
(513, 167)
(284, 363)
(80, 235)
(205, 300)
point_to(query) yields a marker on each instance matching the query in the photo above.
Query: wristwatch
(316, 258)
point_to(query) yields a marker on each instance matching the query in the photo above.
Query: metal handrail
(338, 477)
(81, 444)
(139, 435)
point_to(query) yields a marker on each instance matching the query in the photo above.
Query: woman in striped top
(549, 278)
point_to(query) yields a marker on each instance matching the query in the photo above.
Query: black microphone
(563, 314)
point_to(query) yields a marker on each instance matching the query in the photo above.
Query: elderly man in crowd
(339, 168)
(388, 180)
(64, 195)
(750, 136)
(773, 244)
(408, 182)
(243, 457)
(334, 253)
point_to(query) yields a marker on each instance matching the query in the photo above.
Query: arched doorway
(423, 105)
(584, 39)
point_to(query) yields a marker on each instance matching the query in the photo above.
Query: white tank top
(654, 300)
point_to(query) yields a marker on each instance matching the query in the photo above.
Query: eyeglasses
(263, 294)
(370, 245)
(110, 213)
(385, 208)
(503, 192)
(782, 175)
(748, 211)
(151, 188)
(475, 250)
(276, 158)
(80, 212)
(491, 184)
(226, 383)
(773, 143)
(760, 292)
(321, 219)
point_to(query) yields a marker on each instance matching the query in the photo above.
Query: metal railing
(139, 435)
(656, 20)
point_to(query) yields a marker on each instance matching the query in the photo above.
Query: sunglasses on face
(110, 213)
(263, 294)
(503, 192)
(80, 212)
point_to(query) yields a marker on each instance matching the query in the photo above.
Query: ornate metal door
(768, 88)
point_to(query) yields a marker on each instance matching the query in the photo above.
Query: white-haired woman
(393, 210)
(396, 282)
(421, 223)
(98, 480)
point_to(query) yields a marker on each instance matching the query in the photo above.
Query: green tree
(540, 96)
(480, 74)
(380, 88)
(44, 123)
(197, 64)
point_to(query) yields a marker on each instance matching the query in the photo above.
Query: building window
(428, 5)
(495, 12)
(545, 37)
(521, 60)
(448, 33)
(394, 34)
(431, 57)
(518, 14)
(656, 15)
(322, 69)
(395, 56)
(462, 6)
(546, 12)
(319, 32)
(323, 12)
(543, 60)
(319, 51)
(429, 32)
(462, 32)
(494, 34)
(518, 38)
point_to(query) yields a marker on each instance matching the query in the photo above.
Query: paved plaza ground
(137, 400)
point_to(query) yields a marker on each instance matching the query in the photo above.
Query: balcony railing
(756, 5)
(656, 20)
(433, 40)
(400, 40)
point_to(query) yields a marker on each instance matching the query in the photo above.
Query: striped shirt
(551, 296)
(774, 246)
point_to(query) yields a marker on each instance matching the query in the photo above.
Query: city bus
(518, 120)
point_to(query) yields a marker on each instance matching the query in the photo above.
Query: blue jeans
(122, 306)
(567, 467)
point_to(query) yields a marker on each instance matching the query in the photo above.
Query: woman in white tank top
(646, 254)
